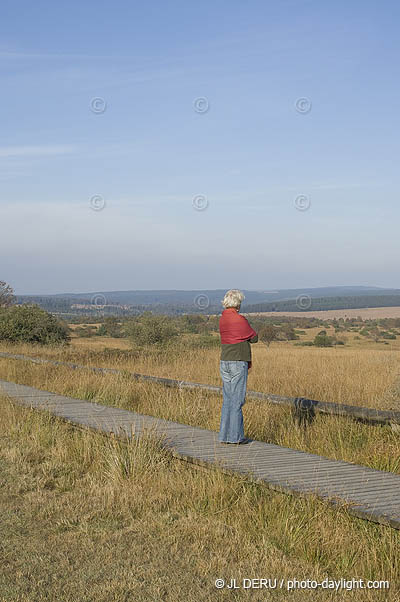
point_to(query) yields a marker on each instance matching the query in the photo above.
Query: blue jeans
(234, 380)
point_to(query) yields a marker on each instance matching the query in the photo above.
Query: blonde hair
(233, 298)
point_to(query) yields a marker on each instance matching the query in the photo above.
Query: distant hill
(190, 301)
(154, 297)
(324, 303)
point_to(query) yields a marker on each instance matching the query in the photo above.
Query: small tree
(6, 294)
(267, 334)
(31, 324)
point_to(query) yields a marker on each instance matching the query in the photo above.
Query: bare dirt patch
(365, 314)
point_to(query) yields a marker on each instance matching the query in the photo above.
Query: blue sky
(150, 153)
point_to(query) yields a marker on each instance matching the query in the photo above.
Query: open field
(328, 314)
(361, 373)
(86, 517)
(352, 340)
(132, 524)
(378, 447)
(101, 343)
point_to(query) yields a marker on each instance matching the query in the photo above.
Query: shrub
(287, 333)
(323, 340)
(101, 331)
(110, 328)
(31, 324)
(193, 323)
(85, 331)
(150, 330)
(202, 341)
(388, 335)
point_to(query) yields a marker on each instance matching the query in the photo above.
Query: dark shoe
(242, 442)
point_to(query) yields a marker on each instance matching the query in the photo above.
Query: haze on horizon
(150, 191)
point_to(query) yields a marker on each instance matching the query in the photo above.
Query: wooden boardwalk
(367, 493)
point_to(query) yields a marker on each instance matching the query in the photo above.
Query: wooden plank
(295, 462)
(35, 396)
(288, 467)
(182, 436)
(351, 475)
(260, 469)
(384, 493)
(361, 498)
(387, 507)
(320, 482)
(358, 484)
(371, 496)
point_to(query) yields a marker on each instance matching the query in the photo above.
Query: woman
(236, 336)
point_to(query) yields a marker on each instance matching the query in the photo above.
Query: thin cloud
(36, 151)
(55, 55)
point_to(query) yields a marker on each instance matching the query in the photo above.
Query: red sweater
(234, 328)
(236, 336)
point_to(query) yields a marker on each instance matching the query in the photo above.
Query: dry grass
(356, 376)
(99, 343)
(87, 517)
(333, 437)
